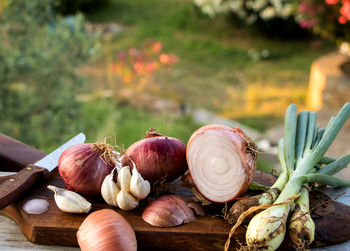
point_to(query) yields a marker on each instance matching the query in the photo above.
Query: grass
(215, 70)
(129, 125)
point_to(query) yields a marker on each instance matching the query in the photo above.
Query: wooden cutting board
(207, 233)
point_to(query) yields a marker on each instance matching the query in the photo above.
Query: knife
(12, 187)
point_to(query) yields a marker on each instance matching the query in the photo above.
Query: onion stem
(327, 160)
(336, 166)
(327, 180)
(290, 128)
(304, 147)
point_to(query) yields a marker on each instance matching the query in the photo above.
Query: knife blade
(15, 185)
(51, 161)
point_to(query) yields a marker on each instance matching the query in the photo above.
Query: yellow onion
(106, 230)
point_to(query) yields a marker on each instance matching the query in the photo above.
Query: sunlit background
(118, 67)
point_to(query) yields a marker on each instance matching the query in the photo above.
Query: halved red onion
(222, 162)
(157, 157)
(171, 211)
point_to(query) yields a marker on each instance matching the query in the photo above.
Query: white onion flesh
(218, 163)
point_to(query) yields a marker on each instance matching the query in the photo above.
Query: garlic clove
(70, 202)
(110, 190)
(170, 211)
(35, 206)
(126, 201)
(139, 187)
(124, 177)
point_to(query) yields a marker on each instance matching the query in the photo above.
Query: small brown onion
(157, 157)
(170, 211)
(222, 162)
(106, 230)
(83, 167)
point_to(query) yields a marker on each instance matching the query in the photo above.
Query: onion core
(222, 162)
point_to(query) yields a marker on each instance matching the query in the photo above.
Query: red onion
(222, 162)
(157, 157)
(83, 167)
(106, 230)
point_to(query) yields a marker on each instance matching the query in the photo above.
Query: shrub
(39, 52)
(274, 17)
(328, 18)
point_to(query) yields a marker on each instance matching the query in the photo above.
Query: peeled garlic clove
(35, 206)
(110, 190)
(139, 187)
(70, 202)
(125, 201)
(124, 177)
(170, 211)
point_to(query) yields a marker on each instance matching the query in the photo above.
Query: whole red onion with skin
(222, 162)
(83, 167)
(157, 156)
(106, 230)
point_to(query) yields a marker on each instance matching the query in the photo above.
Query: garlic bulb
(126, 201)
(128, 190)
(139, 187)
(70, 202)
(124, 177)
(110, 190)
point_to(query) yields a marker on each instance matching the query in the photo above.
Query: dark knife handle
(15, 185)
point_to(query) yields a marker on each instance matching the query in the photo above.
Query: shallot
(222, 162)
(170, 211)
(83, 167)
(157, 157)
(106, 230)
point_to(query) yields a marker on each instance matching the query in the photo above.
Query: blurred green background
(119, 67)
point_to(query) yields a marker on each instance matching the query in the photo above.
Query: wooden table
(11, 237)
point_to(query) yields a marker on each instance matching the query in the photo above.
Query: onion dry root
(222, 162)
(244, 204)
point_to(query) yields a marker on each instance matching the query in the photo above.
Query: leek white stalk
(267, 229)
(304, 147)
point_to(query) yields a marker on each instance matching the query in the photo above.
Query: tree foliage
(39, 54)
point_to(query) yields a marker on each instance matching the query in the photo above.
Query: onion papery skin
(157, 157)
(106, 230)
(171, 211)
(83, 169)
(222, 162)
